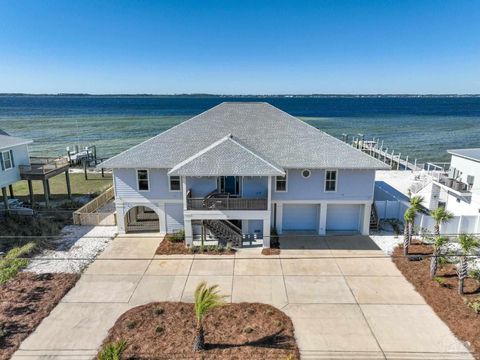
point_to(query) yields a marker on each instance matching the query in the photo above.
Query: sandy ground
(78, 248)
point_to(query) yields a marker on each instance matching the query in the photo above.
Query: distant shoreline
(246, 96)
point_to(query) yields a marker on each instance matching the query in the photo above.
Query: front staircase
(225, 232)
(374, 222)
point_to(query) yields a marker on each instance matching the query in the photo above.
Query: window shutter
(1, 161)
(11, 158)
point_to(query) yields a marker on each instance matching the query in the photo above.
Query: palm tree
(206, 298)
(437, 247)
(468, 243)
(416, 206)
(409, 218)
(441, 216)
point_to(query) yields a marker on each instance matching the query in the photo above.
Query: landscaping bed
(170, 246)
(24, 302)
(441, 294)
(166, 330)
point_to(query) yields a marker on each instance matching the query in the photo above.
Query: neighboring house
(244, 168)
(458, 190)
(13, 154)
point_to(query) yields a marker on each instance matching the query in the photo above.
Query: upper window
(175, 184)
(281, 183)
(331, 180)
(143, 180)
(306, 173)
(7, 158)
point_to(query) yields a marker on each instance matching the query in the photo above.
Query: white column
(367, 208)
(269, 193)
(322, 220)
(188, 232)
(120, 218)
(279, 219)
(162, 218)
(266, 231)
(184, 190)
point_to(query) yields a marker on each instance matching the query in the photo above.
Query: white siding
(174, 216)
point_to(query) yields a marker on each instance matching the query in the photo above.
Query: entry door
(229, 184)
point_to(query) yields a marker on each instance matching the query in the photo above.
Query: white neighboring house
(458, 190)
(13, 154)
(240, 169)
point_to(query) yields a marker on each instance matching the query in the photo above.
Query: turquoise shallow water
(420, 127)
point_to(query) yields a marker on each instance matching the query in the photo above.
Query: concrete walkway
(343, 305)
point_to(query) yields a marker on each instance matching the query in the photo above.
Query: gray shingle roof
(7, 141)
(472, 154)
(271, 133)
(226, 157)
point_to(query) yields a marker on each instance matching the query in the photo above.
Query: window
(331, 180)
(7, 160)
(175, 183)
(306, 173)
(142, 180)
(281, 183)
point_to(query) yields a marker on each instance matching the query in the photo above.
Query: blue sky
(240, 47)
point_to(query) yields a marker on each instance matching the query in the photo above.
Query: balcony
(225, 202)
(40, 168)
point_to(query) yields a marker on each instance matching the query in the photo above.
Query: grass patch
(22, 228)
(58, 187)
(14, 261)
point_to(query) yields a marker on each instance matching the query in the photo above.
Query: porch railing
(39, 165)
(226, 204)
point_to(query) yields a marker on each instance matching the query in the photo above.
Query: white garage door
(343, 217)
(300, 217)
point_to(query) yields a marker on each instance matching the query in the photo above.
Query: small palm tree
(409, 218)
(467, 243)
(206, 298)
(437, 248)
(441, 216)
(415, 206)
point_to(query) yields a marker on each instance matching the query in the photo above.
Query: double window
(281, 183)
(174, 183)
(7, 160)
(331, 180)
(143, 181)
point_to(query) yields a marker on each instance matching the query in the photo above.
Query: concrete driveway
(346, 300)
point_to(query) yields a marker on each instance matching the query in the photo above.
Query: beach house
(239, 170)
(458, 188)
(13, 154)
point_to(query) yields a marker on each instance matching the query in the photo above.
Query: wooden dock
(376, 149)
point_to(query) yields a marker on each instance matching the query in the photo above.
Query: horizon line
(247, 95)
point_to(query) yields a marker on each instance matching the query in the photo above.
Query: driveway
(346, 299)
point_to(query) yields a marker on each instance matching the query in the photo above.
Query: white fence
(391, 209)
(459, 224)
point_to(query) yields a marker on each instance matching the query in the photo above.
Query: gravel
(78, 248)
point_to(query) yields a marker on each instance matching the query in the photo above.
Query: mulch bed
(271, 251)
(24, 302)
(443, 298)
(168, 247)
(166, 330)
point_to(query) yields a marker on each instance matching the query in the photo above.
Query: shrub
(113, 351)
(159, 311)
(440, 280)
(474, 305)
(177, 236)
(475, 274)
(159, 329)
(131, 324)
(14, 262)
(248, 330)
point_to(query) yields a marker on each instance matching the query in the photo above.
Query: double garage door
(305, 217)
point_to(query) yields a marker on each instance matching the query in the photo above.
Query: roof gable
(226, 157)
(7, 141)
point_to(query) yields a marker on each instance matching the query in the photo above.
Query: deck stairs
(374, 221)
(225, 232)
